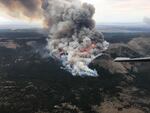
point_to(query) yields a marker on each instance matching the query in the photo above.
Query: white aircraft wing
(124, 59)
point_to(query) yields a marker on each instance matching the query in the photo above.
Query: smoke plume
(22, 8)
(73, 39)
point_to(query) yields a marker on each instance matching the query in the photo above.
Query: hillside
(30, 83)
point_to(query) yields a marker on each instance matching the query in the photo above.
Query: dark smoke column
(73, 39)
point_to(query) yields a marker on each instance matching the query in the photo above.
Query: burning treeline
(73, 39)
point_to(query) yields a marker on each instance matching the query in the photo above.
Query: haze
(107, 11)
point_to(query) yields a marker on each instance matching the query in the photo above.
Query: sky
(107, 11)
(120, 11)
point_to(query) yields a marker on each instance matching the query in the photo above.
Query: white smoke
(73, 39)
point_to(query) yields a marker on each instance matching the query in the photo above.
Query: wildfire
(73, 38)
(87, 49)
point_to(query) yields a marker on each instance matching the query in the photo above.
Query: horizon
(107, 12)
(34, 25)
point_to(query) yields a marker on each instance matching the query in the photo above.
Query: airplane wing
(124, 59)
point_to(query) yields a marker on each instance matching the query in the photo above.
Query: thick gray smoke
(73, 39)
